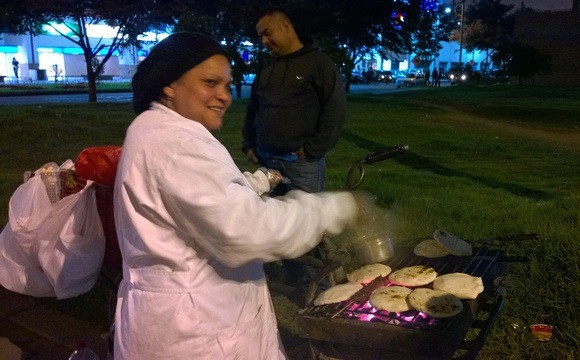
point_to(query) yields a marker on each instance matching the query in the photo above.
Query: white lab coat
(194, 236)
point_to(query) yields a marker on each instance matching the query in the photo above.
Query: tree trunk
(238, 85)
(347, 84)
(91, 80)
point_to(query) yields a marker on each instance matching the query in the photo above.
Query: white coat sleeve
(258, 181)
(215, 209)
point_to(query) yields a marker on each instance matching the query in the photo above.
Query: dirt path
(566, 138)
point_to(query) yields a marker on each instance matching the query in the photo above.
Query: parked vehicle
(496, 76)
(398, 74)
(413, 78)
(456, 77)
(385, 76)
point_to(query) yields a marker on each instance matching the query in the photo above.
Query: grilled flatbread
(455, 245)
(337, 293)
(391, 298)
(368, 273)
(413, 276)
(462, 285)
(430, 248)
(435, 303)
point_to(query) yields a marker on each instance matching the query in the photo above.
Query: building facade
(53, 57)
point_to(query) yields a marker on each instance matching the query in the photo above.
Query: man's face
(274, 33)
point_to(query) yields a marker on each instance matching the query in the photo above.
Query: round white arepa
(435, 303)
(337, 293)
(391, 298)
(368, 273)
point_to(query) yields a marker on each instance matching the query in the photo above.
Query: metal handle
(356, 173)
(355, 176)
(532, 236)
(519, 237)
(385, 154)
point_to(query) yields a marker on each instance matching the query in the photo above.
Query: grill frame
(336, 335)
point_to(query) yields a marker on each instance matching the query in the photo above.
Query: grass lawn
(24, 88)
(483, 161)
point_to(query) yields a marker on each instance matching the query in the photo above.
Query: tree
(348, 30)
(432, 27)
(523, 61)
(489, 25)
(387, 27)
(129, 18)
(345, 29)
(229, 21)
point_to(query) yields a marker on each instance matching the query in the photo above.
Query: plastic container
(82, 352)
(50, 177)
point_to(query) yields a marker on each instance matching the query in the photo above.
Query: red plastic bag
(99, 164)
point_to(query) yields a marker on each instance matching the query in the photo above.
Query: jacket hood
(309, 45)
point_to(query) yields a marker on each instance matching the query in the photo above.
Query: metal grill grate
(354, 329)
(480, 264)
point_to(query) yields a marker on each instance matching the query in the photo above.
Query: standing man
(439, 75)
(435, 76)
(297, 106)
(15, 66)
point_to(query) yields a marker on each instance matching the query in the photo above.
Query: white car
(413, 78)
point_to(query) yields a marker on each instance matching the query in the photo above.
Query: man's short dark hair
(275, 10)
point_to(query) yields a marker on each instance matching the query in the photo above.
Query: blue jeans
(305, 175)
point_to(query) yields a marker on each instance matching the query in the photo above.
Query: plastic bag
(72, 244)
(20, 270)
(51, 250)
(99, 164)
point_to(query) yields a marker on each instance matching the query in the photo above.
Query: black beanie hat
(167, 61)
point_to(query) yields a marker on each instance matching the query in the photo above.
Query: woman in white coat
(193, 232)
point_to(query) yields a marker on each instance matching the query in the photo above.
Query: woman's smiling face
(203, 93)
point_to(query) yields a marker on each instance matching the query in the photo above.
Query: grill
(353, 329)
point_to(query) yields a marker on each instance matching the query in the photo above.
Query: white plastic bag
(51, 250)
(72, 244)
(20, 270)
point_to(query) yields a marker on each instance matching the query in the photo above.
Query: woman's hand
(274, 177)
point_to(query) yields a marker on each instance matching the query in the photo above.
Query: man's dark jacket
(297, 101)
